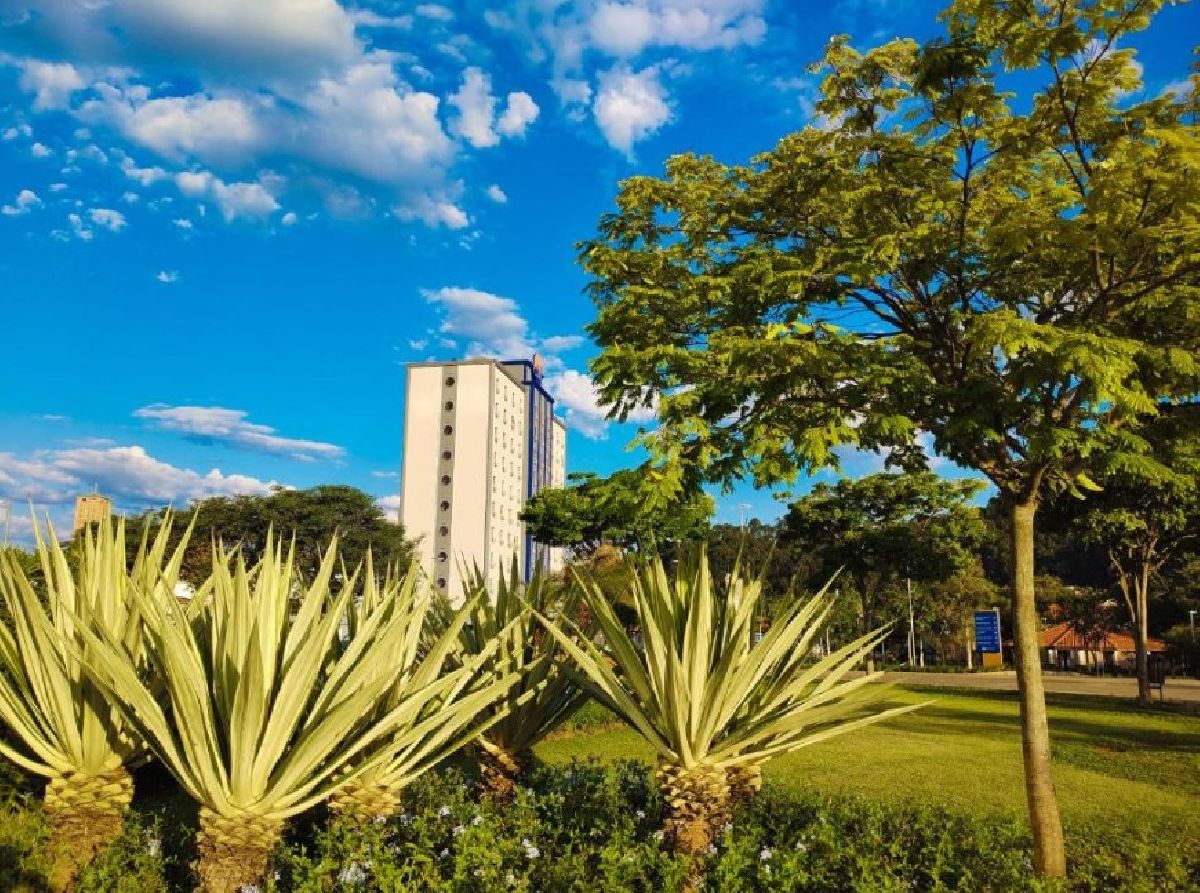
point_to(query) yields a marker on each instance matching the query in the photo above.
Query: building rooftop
(1066, 637)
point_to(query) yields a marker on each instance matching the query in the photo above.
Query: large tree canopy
(887, 527)
(615, 510)
(992, 237)
(312, 516)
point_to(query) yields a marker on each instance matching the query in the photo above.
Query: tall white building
(480, 438)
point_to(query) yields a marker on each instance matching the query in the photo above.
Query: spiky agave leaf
(456, 695)
(262, 713)
(61, 725)
(547, 690)
(710, 699)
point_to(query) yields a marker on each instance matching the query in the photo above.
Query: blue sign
(987, 632)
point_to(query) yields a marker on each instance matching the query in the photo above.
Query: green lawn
(1115, 766)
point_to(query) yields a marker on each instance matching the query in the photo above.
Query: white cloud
(476, 120)
(435, 11)
(51, 83)
(496, 194)
(489, 322)
(368, 123)
(130, 198)
(16, 131)
(519, 112)
(235, 200)
(575, 394)
(289, 219)
(224, 129)
(146, 176)
(434, 211)
(561, 343)
(286, 80)
(390, 506)
(39, 150)
(79, 228)
(128, 474)
(366, 18)
(630, 106)
(626, 29)
(167, 277)
(107, 218)
(26, 199)
(263, 39)
(230, 426)
(183, 223)
(476, 107)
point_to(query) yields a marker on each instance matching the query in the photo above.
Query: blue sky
(225, 226)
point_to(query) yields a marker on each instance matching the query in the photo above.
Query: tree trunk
(1049, 855)
(1142, 636)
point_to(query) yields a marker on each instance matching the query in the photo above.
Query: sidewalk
(1059, 683)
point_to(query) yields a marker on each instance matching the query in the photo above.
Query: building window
(448, 430)
(441, 556)
(449, 381)
(441, 582)
(446, 479)
(449, 405)
(445, 505)
(446, 455)
(444, 530)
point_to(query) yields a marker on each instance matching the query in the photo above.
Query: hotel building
(480, 438)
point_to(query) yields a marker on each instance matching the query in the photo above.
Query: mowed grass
(1116, 767)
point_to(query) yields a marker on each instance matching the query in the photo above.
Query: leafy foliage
(312, 516)
(616, 510)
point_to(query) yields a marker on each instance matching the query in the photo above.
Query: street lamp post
(1192, 618)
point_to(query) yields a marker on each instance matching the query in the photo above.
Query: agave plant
(714, 703)
(60, 724)
(547, 689)
(453, 699)
(263, 705)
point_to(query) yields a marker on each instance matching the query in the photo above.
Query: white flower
(478, 820)
(641, 813)
(766, 853)
(658, 835)
(802, 847)
(444, 811)
(249, 888)
(153, 846)
(532, 852)
(711, 849)
(352, 874)
(445, 852)
(458, 829)
(405, 818)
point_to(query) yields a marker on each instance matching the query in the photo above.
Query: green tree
(313, 516)
(1144, 516)
(991, 238)
(593, 510)
(884, 528)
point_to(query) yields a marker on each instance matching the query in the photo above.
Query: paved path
(1059, 683)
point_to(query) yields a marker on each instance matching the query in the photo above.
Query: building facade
(480, 438)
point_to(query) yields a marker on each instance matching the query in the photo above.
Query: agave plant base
(744, 783)
(500, 771)
(697, 805)
(362, 803)
(233, 851)
(85, 813)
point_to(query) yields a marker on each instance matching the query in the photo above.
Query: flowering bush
(585, 828)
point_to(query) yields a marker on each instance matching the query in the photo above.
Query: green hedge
(582, 828)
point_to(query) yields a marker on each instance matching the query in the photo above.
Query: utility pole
(1191, 616)
(6, 511)
(743, 506)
